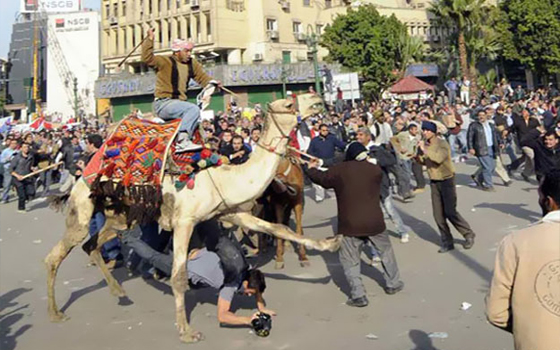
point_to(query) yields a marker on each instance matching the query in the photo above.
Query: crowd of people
(406, 139)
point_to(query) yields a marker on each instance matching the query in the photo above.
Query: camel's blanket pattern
(135, 153)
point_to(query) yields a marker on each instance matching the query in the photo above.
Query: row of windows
(118, 41)
(112, 9)
(297, 27)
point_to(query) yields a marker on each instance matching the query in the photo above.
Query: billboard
(50, 6)
(74, 48)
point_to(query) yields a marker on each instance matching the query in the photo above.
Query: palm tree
(411, 49)
(458, 16)
(481, 43)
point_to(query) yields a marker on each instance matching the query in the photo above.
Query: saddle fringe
(140, 204)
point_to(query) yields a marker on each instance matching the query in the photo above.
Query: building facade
(265, 42)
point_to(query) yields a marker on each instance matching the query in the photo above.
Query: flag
(5, 124)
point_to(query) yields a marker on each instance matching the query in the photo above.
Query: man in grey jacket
(482, 142)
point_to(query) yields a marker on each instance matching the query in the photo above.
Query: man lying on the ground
(223, 269)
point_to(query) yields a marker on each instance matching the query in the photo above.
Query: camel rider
(173, 74)
(214, 261)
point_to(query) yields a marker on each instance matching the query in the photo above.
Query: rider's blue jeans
(168, 109)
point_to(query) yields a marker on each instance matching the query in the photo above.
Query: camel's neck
(256, 174)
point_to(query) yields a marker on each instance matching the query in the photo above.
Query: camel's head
(284, 113)
(309, 104)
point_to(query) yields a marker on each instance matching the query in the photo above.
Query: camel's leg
(80, 210)
(279, 211)
(281, 231)
(179, 279)
(298, 210)
(105, 235)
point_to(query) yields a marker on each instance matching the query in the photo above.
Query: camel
(223, 192)
(284, 196)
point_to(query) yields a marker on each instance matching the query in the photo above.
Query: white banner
(51, 6)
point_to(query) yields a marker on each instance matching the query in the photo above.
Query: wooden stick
(131, 52)
(302, 153)
(41, 170)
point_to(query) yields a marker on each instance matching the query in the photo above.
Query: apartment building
(252, 46)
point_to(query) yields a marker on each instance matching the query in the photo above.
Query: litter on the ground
(37, 241)
(465, 306)
(440, 335)
(372, 336)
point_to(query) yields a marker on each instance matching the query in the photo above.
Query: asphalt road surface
(309, 301)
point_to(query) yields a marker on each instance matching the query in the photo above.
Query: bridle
(269, 147)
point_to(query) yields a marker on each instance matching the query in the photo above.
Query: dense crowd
(523, 125)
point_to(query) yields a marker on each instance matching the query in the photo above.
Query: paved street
(309, 301)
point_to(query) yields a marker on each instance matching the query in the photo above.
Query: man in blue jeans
(483, 143)
(5, 160)
(173, 74)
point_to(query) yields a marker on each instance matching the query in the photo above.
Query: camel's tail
(57, 202)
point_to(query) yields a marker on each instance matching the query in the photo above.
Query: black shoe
(358, 302)
(488, 189)
(508, 183)
(394, 290)
(476, 181)
(526, 178)
(469, 241)
(445, 249)
(509, 170)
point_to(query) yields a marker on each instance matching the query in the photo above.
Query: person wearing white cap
(173, 74)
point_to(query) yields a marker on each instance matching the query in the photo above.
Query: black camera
(262, 324)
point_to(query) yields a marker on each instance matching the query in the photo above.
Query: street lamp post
(312, 41)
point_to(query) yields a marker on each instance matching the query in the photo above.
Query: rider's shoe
(184, 144)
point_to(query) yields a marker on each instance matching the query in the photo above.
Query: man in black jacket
(522, 124)
(482, 142)
(324, 147)
(546, 146)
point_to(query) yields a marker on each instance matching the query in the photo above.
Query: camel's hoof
(59, 317)
(118, 292)
(279, 265)
(305, 263)
(192, 337)
(334, 243)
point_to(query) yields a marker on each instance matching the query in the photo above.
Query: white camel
(220, 192)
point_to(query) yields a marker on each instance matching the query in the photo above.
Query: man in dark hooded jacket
(357, 184)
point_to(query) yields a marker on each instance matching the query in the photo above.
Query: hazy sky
(8, 15)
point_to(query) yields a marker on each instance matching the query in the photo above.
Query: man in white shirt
(465, 87)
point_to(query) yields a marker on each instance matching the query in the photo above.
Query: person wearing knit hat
(357, 184)
(173, 74)
(436, 155)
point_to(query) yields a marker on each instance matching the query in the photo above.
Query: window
(124, 8)
(178, 3)
(319, 29)
(179, 32)
(133, 31)
(271, 24)
(150, 6)
(306, 2)
(208, 24)
(328, 4)
(158, 6)
(115, 10)
(297, 27)
(169, 30)
(107, 10)
(168, 5)
(124, 41)
(286, 57)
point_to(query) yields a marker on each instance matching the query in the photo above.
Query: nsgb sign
(50, 5)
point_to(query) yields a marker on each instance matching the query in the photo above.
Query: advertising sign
(51, 6)
(72, 30)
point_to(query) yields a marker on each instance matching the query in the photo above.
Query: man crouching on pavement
(216, 263)
(357, 184)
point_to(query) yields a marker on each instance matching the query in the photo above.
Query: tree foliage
(530, 33)
(367, 42)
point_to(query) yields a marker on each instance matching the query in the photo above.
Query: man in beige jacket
(524, 296)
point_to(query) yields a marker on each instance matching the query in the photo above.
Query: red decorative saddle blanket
(136, 153)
